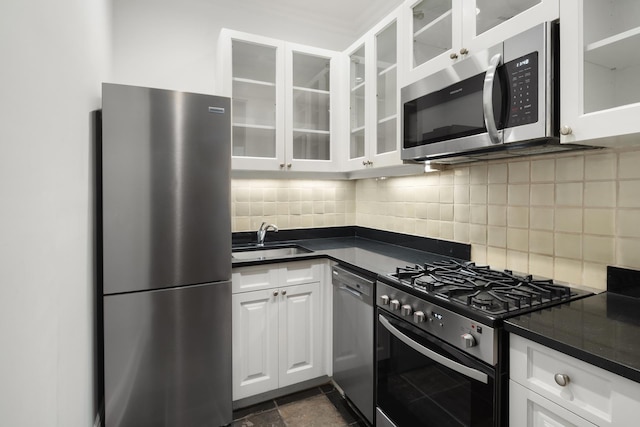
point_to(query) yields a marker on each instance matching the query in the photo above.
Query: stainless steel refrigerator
(165, 257)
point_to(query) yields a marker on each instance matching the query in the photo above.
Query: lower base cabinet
(277, 335)
(548, 388)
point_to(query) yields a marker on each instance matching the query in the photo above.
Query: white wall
(53, 56)
(171, 44)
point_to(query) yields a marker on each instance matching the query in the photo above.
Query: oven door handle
(487, 100)
(458, 367)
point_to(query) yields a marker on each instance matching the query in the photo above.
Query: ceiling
(350, 18)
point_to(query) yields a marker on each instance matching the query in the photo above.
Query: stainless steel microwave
(496, 103)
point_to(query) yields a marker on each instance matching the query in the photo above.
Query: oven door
(423, 381)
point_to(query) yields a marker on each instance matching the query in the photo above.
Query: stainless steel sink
(268, 252)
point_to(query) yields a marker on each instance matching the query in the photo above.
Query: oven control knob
(384, 299)
(406, 310)
(468, 340)
(394, 304)
(418, 317)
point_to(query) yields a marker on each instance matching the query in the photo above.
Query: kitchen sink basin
(268, 252)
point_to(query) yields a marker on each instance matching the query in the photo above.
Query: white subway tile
(568, 245)
(567, 270)
(461, 213)
(461, 232)
(446, 230)
(497, 257)
(569, 194)
(518, 239)
(497, 236)
(518, 194)
(497, 215)
(542, 194)
(446, 194)
(478, 234)
(543, 170)
(461, 194)
(478, 174)
(628, 253)
(570, 168)
(541, 265)
(479, 254)
(519, 172)
(628, 223)
(628, 165)
(541, 218)
(498, 194)
(478, 214)
(594, 275)
(598, 249)
(600, 166)
(518, 216)
(518, 261)
(629, 194)
(478, 194)
(541, 242)
(601, 221)
(446, 212)
(600, 194)
(498, 173)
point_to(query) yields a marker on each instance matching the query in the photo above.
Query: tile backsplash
(565, 216)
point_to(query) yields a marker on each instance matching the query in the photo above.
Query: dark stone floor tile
(298, 396)
(253, 409)
(345, 411)
(265, 419)
(315, 411)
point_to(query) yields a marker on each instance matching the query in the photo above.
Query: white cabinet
(277, 326)
(374, 119)
(440, 32)
(283, 102)
(588, 395)
(600, 87)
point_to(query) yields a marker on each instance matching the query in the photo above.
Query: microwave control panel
(522, 84)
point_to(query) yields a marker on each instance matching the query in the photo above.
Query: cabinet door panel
(255, 343)
(529, 409)
(300, 333)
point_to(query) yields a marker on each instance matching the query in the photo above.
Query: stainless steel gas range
(441, 358)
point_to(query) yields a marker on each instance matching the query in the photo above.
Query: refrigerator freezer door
(165, 188)
(163, 360)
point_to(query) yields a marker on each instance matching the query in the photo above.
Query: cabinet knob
(561, 379)
(275, 293)
(281, 165)
(288, 165)
(284, 292)
(566, 130)
(364, 163)
(453, 56)
(464, 51)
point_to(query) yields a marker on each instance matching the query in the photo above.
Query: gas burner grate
(480, 287)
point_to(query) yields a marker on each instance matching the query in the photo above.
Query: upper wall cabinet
(283, 99)
(374, 120)
(440, 32)
(600, 87)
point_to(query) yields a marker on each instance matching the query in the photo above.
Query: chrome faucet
(262, 232)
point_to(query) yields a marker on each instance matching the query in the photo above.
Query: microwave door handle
(487, 99)
(458, 367)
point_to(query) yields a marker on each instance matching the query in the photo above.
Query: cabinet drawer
(298, 273)
(246, 279)
(599, 396)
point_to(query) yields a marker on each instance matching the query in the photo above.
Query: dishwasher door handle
(351, 291)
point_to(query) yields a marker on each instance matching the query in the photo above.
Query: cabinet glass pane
(254, 142)
(254, 100)
(357, 104)
(356, 146)
(311, 110)
(490, 13)
(311, 72)
(387, 107)
(311, 107)
(311, 146)
(611, 35)
(432, 30)
(253, 61)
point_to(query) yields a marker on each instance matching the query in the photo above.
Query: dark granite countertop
(372, 252)
(602, 329)
(370, 257)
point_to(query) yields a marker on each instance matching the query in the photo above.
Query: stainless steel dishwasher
(353, 364)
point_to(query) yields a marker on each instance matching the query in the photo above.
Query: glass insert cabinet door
(311, 110)
(432, 30)
(387, 93)
(491, 13)
(357, 86)
(254, 100)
